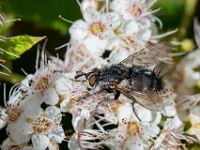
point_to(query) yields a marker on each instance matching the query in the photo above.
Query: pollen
(132, 128)
(135, 10)
(197, 125)
(41, 124)
(118, 30)
(97, 28)
(129, 41)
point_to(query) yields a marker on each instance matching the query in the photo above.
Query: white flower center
(135, 10)
(97, 27)
(41, 124)
(42, 84)
(129, 41)
(132, 128)
(197, 126)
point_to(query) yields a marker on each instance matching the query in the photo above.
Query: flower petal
(57, 135)
(40, 142)
(78, 30)
(54, 114)
(51, 97)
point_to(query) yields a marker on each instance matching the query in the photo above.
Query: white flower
(44, 81)
(132, 9)
(132, 135)
(73, 144)
(16, 105)
(40, 142)
(173, 124)
(188, 77)
(79, 58)
(47, 78)
(95, 31)
(194, 119)
(92, 4)
(124, 110)
(40, 127)
(16, 127)
(169, 108)
(72, 97)
(130, 37)
(64, 84)
(8, 144)
(171, 135)
(185, 75)
(146, 115)
(185, 103)
(88, 139)
(3, 118)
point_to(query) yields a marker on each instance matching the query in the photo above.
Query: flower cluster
(108, 32)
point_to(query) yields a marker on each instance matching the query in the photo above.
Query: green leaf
(14, 47)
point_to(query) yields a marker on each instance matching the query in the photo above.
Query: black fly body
(133, 77)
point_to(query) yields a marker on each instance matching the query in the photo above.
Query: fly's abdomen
(145, 80)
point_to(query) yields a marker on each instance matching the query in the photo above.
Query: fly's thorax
(113, 73)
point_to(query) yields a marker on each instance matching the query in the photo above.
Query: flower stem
(190, 6)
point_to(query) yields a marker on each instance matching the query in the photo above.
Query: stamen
(42, 124)
(66, 20)
(97, 28)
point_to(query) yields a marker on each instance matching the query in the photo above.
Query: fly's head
(92, 77)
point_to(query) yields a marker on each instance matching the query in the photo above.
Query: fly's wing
(149, 56)
(162, 70)
(148, 99)
(187, 101)
(151, 100)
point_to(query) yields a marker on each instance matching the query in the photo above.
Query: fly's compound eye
(92, 80)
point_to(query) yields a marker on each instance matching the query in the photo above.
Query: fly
(133, 77)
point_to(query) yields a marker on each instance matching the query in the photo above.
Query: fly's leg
(113, 90)
(107, 96)
(106, 99)
(136, 114)
(117, 94)
(100, 103)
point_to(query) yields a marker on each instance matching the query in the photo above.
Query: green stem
(12, 78)
(190, 6)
